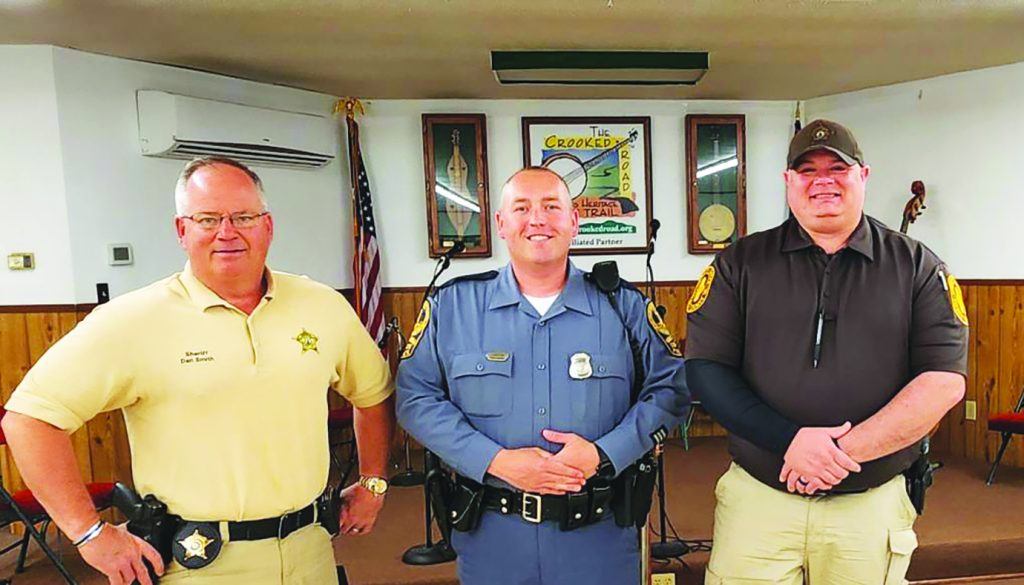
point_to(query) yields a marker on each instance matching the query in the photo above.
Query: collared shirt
(487, 372)
(888, 309)
(226, 413)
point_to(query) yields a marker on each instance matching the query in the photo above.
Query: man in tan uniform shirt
(221, 372)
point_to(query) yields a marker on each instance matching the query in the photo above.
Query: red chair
(23, 507)
(1008, 424)
(340, 427)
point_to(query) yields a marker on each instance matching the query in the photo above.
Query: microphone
(444, 261)
(655, 226)
(457, 248)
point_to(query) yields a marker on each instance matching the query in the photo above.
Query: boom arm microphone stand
(663, 549)
(432, 553)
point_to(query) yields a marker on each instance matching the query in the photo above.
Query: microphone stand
(408, 476)
(663, 549)
(431, 553)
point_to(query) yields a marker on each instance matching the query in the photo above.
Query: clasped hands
(532, 469)
(814, 462)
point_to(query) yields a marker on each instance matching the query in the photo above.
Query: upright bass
(919, 475)
(915, 205)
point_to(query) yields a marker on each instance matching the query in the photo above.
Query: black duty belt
(279, 527)
(571, 510)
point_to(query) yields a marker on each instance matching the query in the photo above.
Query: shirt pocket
(481, 387)
(599, 401)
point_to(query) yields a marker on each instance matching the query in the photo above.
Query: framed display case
(716, 198)
(455, 172)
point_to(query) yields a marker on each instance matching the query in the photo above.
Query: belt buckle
(533, 501)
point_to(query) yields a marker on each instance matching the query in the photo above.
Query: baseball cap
(825, 135)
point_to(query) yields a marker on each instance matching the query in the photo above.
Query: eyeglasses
(211, 221)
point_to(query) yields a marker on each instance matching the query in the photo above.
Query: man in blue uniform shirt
(522, 380)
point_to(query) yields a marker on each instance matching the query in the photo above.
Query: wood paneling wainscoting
(101, 446)
(996, 363)
(995, 310)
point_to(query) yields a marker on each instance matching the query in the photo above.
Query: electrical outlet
(970, 410)
(663, 579)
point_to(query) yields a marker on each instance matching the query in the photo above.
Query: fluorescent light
(456, 198)
(717, 167)
(599, 67)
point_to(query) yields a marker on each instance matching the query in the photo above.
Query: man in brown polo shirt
(828, 347)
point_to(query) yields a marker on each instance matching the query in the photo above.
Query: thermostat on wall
(21, 261)
(119, 254)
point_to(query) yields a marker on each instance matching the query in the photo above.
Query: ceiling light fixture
(599, 67)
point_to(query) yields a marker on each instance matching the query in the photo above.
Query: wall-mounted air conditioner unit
(177, 126)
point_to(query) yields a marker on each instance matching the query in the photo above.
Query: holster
(919, 477)
(328, 510)
(634, 492)
(439, 487)
(465, 504)
(149, 520)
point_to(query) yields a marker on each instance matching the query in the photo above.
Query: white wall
(33, 217)
(961, 135)
(74, 180)
(115, 195)
(393, 148)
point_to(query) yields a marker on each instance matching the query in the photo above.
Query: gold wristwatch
(378, 486)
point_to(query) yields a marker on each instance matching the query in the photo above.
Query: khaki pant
(763, 535)
(305, 557)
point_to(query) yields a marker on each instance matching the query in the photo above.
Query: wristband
(90, 534)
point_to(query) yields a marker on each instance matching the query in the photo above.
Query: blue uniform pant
(507, 550)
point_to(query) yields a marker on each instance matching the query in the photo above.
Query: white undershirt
(542, 304)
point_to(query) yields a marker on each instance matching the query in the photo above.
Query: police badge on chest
(579, 366)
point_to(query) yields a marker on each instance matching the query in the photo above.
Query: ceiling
(759, 49)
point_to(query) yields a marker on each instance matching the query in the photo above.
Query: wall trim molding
(991, 282)
(419, 289)
(44, 308)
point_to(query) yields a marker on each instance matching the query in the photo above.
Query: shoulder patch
(417, 331)
(658, 325)
(956, 298)
(489, 275)
(701, 291)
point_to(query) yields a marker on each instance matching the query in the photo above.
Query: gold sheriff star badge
(195, 545)
(308, 341)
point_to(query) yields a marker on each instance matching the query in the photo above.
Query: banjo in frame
(716, 189)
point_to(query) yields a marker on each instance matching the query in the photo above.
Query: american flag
(366, 256)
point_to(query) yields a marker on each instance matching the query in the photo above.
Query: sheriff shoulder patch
(417, 331)
(956, 299)
(659, 327)
(701, 291)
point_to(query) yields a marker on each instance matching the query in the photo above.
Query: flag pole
(348, 106)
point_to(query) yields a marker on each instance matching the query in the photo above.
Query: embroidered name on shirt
(195, 357)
